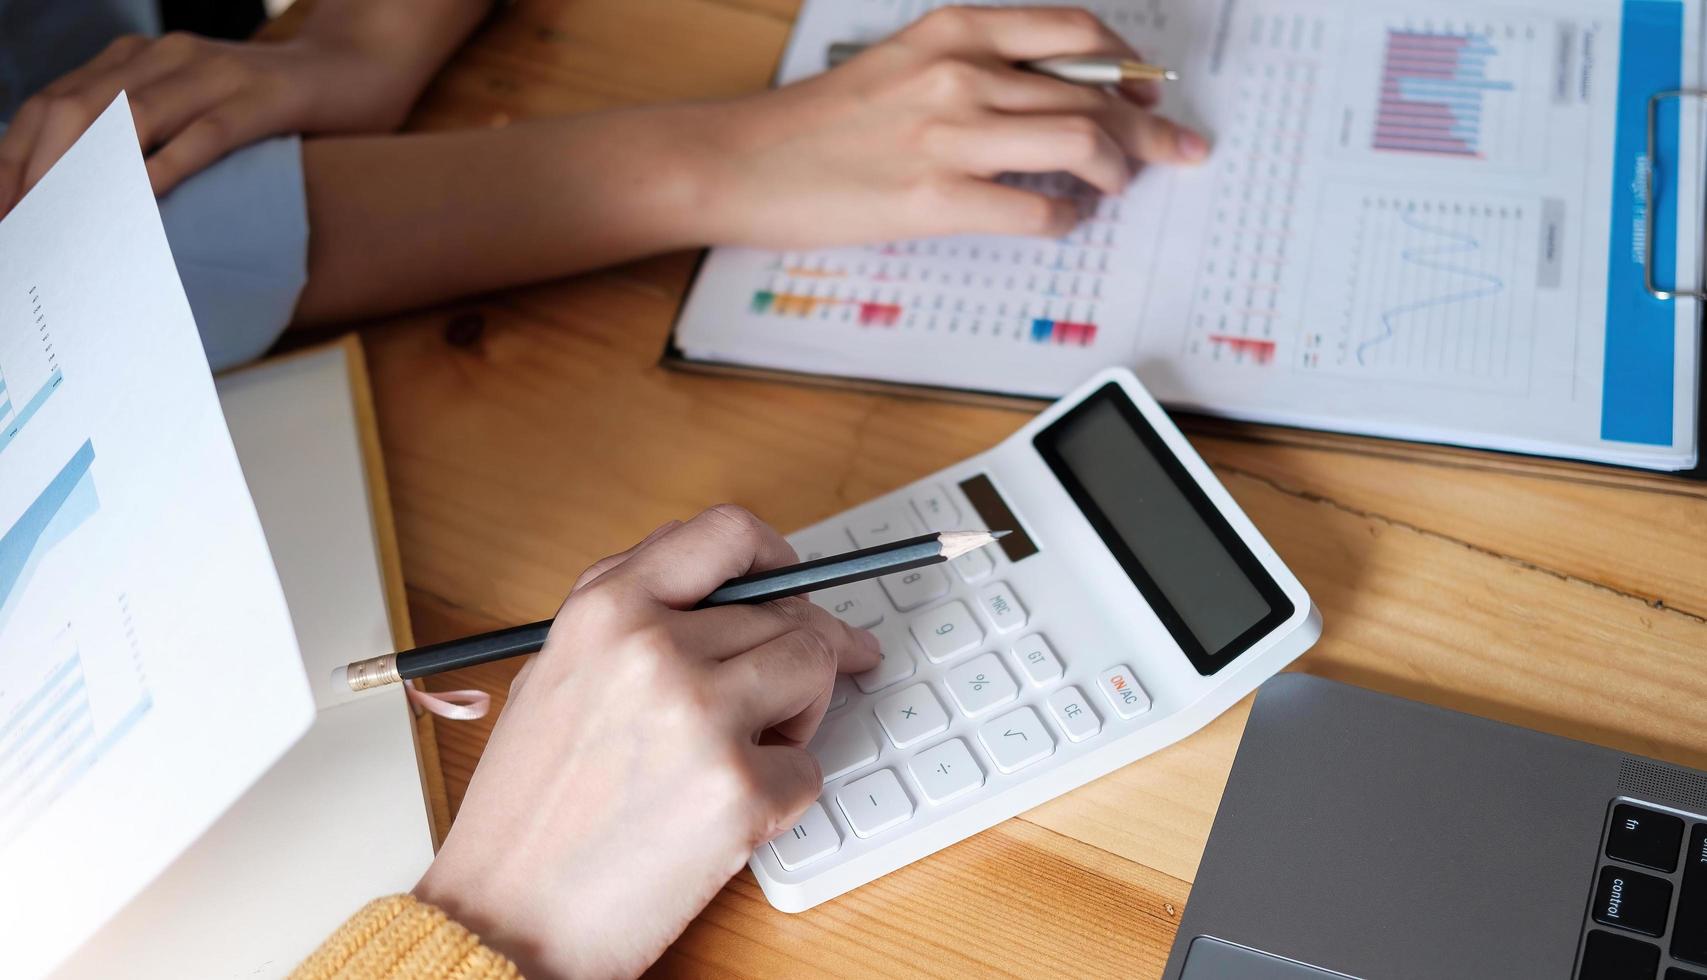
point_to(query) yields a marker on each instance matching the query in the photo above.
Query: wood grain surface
(529, 433)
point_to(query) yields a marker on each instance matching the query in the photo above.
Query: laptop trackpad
(1212, 959)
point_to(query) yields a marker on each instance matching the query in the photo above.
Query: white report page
(1419, 220)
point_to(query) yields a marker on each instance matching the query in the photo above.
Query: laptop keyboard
(1649, 908)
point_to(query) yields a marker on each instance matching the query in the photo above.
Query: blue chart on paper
(29, 375)
(65, 504)
(1434, 91)
(53, 728)
(1463, 283)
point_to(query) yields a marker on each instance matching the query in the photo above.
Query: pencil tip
(1000, 534)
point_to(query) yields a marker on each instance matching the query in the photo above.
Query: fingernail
(870, 640)
(1192, 146)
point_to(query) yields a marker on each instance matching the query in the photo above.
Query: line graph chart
(1433, 289)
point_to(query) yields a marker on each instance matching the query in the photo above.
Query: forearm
(404, 221)
(414, 37)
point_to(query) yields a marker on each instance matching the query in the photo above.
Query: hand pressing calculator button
(812, 838)
(843, 744)
(1123, 550)
(947, 631)
(839, 693)
(897, 664)
(912, 715)
(1016, 740)
(980, 684)
(875, 803)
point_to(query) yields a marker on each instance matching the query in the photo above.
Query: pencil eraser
(341, 679)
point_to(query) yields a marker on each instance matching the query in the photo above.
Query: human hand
(904, 140)
(643, 754)
(195, 100)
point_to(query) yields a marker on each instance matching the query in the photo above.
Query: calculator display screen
(1185, 559)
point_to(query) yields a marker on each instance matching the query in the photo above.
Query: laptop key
(1632, 900)
(1689, 930)
(1609, 956)
(1645, 837)
(1679, 973)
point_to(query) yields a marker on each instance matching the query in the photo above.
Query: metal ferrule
(373, 672)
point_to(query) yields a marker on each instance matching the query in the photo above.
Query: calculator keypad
(1074, 714)
(1037, 659)
(1016, 740)
(857, 604)
(912, 589)
(947, 632)
(974, 565)
(1123, 692)
(936, 508)
(844, 744)
(981, 684)
(1001, 608)
(812, 838)
(946, 771)
(897, 663)
(875, 803)
(969, 694)
(912, 715)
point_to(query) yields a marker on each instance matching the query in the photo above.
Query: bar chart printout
(1434, 93)
(29, 369)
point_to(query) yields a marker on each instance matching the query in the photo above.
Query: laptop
(1363, 835)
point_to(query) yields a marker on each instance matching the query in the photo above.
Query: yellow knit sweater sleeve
(398, 938)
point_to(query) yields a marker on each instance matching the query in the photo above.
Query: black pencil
(778, 583)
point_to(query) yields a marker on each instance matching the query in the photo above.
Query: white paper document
(149, 673)
(1419, 220)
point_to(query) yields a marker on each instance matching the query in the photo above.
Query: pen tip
(1000, 534)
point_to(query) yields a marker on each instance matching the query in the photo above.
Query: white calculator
(1132, 604)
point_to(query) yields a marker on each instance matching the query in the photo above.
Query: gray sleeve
(239, 233)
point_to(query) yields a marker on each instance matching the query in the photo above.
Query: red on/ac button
(1123, 692)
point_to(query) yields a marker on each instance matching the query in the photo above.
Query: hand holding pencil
(643, 753)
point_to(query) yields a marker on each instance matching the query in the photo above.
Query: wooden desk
(1574, 602)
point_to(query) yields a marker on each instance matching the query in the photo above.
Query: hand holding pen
(906, 139)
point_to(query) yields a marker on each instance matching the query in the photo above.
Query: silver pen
(1078, 69)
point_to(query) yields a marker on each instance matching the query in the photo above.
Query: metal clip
(1693, 292)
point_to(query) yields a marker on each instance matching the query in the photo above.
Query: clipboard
(674, 358)
(1692, 481)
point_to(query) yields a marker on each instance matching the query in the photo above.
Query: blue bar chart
(58, 716)
(64, 504)
(29, 371)
(1434, 93)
